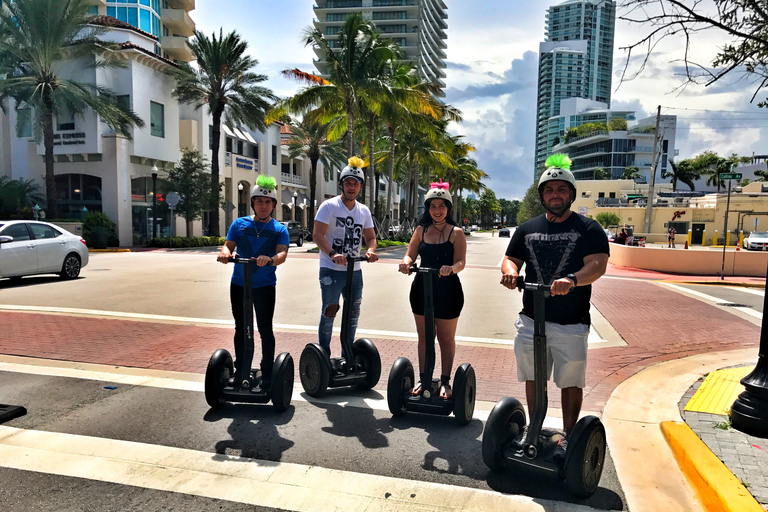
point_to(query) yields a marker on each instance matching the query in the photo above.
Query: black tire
(506, 421)
(220, 369)
(70, 269)
(399, 385)
(282, 382)
(585, 457)
(314, 370)
(299, 241)
(465, 385)
(367, 356)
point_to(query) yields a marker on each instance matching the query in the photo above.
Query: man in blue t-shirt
(264, 240)
(569, 252)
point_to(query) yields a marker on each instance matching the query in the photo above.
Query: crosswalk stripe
(285, 486)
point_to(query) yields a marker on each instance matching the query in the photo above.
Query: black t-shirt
(552, 250)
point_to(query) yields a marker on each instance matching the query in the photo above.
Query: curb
(109, 250)
(716, 487)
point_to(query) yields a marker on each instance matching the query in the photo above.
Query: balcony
(177, 48)
(178, 21)
(291, 179)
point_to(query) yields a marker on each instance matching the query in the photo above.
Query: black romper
(447, 292)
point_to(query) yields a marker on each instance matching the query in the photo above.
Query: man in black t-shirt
(568, 252)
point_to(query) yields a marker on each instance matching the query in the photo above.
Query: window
(254, 151)
(239, 147)
(65, 121)
(17, 231)
(228, 145)
(41, 231)
(274, 155)
(157, 119)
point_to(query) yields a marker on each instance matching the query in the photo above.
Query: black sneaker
(562, 447)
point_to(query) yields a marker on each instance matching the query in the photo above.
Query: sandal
(445, 388)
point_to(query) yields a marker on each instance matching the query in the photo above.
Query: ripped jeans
(332, 283)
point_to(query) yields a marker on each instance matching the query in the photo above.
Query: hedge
(179, 242)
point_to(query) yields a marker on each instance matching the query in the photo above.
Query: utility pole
(647, 224)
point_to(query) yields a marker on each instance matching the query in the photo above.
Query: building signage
(68, 139)
(244, 163)
(583, 210)
(730, 175)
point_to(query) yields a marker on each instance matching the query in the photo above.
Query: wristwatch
(573, 278)
(332, 253)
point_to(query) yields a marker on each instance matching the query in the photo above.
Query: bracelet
(271, 261)
(332, 253)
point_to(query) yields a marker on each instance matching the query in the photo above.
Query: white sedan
(31, 247)
(756, 241)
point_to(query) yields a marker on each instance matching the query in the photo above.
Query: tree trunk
(50, 181)
(312, 187)
(391, 171)
(374, 182)
(415, 181)
(350, 129)
(214, 203)
(189, 227)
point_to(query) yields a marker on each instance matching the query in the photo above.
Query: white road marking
(280, 485)
(711, 299)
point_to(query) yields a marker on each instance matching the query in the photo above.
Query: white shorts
(566, 349)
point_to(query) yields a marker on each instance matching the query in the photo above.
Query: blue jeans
(332, 283)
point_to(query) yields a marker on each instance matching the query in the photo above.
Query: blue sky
(491, 77)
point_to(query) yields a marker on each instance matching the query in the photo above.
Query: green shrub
(23, 214)
(99, 220)
(180, 242)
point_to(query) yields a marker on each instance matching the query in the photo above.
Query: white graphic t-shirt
(345, 229)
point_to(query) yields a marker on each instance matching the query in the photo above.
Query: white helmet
(265, 186)
(558, 168)
(354, 170)
(439, 190)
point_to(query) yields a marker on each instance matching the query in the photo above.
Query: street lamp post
(154, 201)
(240, 201)
(295, 198)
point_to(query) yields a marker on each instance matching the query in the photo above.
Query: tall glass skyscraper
(575, 61)
(418, 26)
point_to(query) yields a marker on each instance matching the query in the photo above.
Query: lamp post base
(749, 412)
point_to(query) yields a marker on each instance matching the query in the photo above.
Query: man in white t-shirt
(341, 225)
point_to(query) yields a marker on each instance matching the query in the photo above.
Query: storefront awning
(227, 130)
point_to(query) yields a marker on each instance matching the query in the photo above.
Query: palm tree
(225, 81)
(310, 138)
(600, 174)
(631, 173)
(354, 66)
(37, 37)
(682, 172)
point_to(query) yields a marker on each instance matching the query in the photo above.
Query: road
(111, 437)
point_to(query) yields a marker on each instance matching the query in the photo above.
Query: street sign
(228, 206)
(730, 175)
(172, 198)
(757, 221)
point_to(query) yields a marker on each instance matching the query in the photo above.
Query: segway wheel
(314, 370)
(465, 384)
(220, 369)
(367, 356)
(399, 386)
(585, 457)
(282, 382)
(505, 423)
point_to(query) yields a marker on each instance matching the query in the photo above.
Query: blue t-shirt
(254, 239)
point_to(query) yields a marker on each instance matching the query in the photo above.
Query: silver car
(31, 247)
(756, 241)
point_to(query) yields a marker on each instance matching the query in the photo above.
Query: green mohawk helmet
(558, 168)
(265, 187)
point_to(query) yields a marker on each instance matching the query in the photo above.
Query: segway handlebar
(532, 287)
(241, 261)
(357, 258)
(423, 270)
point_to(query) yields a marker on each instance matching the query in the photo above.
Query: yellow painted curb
(716, 487)
(109, 250)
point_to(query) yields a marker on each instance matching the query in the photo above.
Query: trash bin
(99, 237)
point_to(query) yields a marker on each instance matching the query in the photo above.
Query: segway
(503, 442)
(223, 384)
(362, 367)
(401, 377)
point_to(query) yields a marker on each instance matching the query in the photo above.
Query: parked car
(307, 235)
(32, 247)
(504, 232)
(474, 227)
(295, 232)
(756, 241)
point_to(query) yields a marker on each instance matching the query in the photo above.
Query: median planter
(99, 237)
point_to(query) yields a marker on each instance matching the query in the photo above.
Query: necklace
(445, 225)
(260, 231)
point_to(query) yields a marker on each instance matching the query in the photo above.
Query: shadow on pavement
(370, 431)
(534, 485)
(253, 431)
